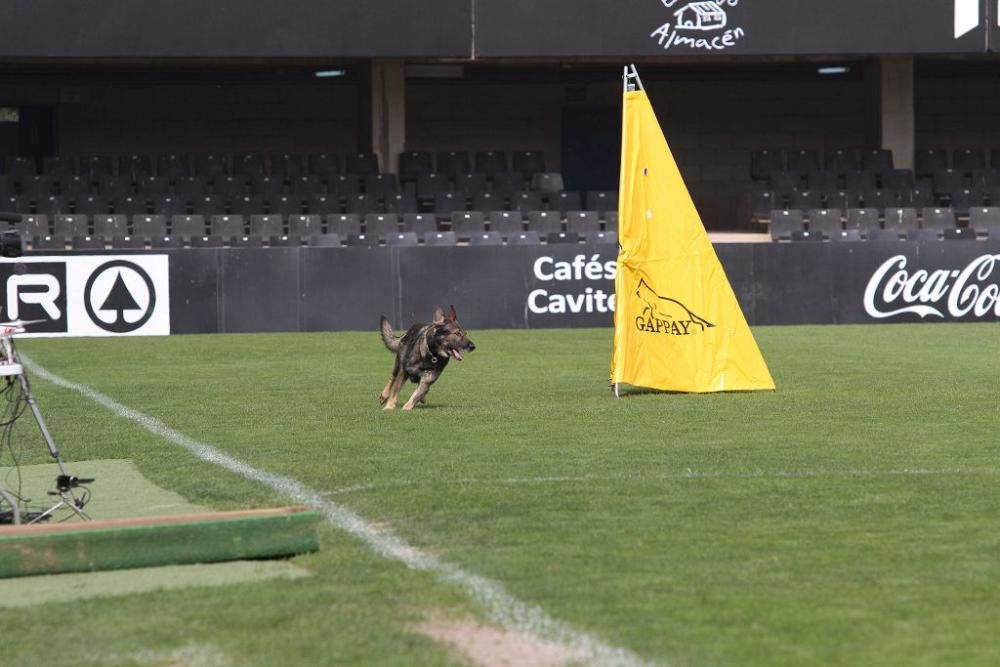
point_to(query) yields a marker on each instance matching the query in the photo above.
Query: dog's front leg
(418, 394)
(384, 396)
(396, 384)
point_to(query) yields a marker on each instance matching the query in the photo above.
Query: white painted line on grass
(666, 477)
(502, 607)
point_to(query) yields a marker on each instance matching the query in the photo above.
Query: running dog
(421, 355)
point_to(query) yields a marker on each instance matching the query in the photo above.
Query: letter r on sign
(16, 294)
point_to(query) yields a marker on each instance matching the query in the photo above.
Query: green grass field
(850, 518)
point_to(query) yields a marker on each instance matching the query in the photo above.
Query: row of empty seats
(844, 179)
(766, 161)
(960, 201)
(423, 188)
(101, 230)
(281, 166)
(870, 223)
(442, 203)
(440, 238)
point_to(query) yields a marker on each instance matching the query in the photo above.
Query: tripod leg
(15, 508)
(33, 405)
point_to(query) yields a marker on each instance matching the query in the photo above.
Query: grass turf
(849, 518)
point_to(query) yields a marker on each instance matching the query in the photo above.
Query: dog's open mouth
(455, 353)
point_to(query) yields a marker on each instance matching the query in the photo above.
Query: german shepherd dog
(421, 355)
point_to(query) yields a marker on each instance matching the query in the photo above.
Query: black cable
(13, 408)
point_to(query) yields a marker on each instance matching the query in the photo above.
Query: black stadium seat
(784, 222)
(583, 221)
(186, 226)
(149, 225)
(467, 223)
(862, 219)
(490, 162)
(305, 225)
(900, 219)
(107, 226)
(527, 162)
(453, 163)
(846, 235)
(544, 222)
(486, 239)
(381, 224)
(825, 221)
(985, 220)
(523, 238)
(842, 160)
(960, 234)
(440, 239)
(420, 222)
(265, 226)
(506, 222)
(764, 162)
(413, 164)
(361, 164)
(343, 224)
(938, 218)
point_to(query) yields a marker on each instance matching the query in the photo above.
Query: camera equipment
(66, 485)
(10, 239)
(10, 243)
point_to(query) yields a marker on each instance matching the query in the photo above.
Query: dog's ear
(438, 315)
(452, 315)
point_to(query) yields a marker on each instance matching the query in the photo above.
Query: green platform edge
(114, 548)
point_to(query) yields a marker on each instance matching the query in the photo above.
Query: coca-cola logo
(973, 290)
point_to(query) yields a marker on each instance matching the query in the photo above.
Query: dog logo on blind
(663, 315)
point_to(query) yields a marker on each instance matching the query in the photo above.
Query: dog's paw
(382, 399)
(408, 406)
(389, 406)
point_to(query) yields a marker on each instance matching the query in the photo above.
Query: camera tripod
(11, 371)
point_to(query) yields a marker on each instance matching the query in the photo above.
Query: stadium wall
(333, 289)
(485, 28)
(245, 290)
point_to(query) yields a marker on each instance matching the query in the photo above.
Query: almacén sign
(329, 289)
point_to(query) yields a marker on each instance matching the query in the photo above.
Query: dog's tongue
(456, 354)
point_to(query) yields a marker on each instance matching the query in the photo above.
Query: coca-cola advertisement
(899, 288)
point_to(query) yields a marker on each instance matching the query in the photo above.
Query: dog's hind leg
(419, 394)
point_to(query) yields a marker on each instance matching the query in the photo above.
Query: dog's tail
(388, 335)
